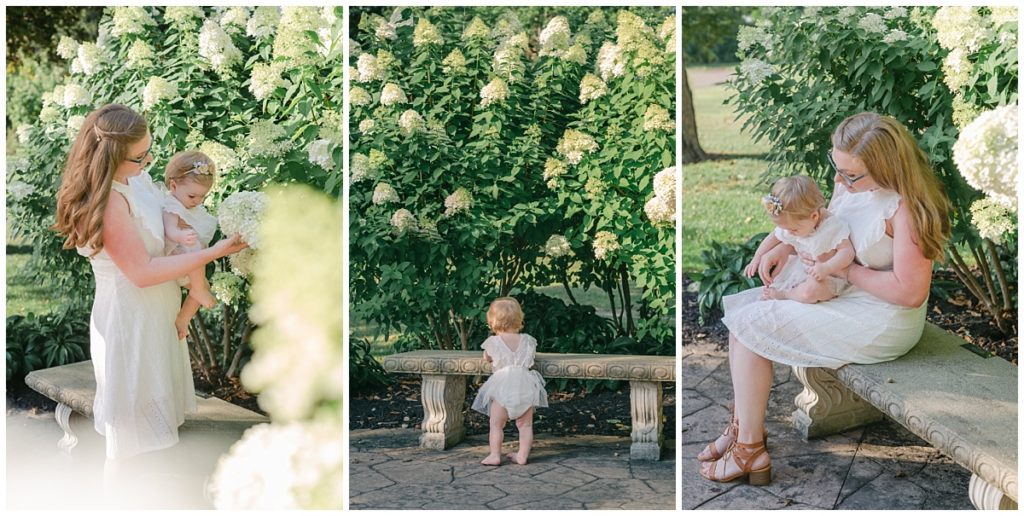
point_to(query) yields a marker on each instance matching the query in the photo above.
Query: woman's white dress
(512, 384)
(855, 327)
(143, 376)
(826, 237)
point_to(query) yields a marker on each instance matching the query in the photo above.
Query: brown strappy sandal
(711, 451)
(743, 455)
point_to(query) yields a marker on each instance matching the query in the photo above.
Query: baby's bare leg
(188, 310)
(525, 425)
(811, 291)
(198, 287)
(499, 416)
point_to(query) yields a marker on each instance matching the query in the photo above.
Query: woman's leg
(751, 384)
(499, 416)
(525, 425)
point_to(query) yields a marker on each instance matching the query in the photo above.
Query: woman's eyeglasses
(147, 154)
(848, 179)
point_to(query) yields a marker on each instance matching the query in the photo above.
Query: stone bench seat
(73, 387)
(444, 389)
(963, 404)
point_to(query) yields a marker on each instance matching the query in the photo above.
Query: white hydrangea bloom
(592, 88)
(384, 193)
(54, 97)
(228, 288)
(605, 243)
(665, 182)
(359, 168)
(368, 69)
(320, 154)
(392, 94)
(956, 69)
(964, 111)
(575, 54)
(403, 220)
(367, 126)
(90, 58)
(557, 246)
(75, 95)
(266, 78)
(749, 36)
(19, 190)
(426, 34)
(556, 36)
(267, 139)
(75, 124)
(756, 70)
(140, 55)
(657, 118)
(961, 28)
(225, 158)
(18, 164)
(986, 154)
(459, 201)
(846, 15)
(553, 169)
(184, 17)
(24, 132)
(872, 22)
(263, 22)
(130, 20)
(281, 466)
(896, 12)
(495, 91)
(894, 35)
(157, 90)
(993, 220)
(410, 122)
(610, 61)
(660, 210)
(359, 97)
(240, 214)
(1003, 14)
(574, 145)
(508, 56)
(476, 29)
(242, 262)
(292, 41)
(234, 19)
(595, 188)
(216, 46)
(454, 63)
(67, 48)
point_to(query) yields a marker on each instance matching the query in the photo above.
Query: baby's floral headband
(201, 168)
(773, 204)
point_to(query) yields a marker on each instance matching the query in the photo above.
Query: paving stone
(743, 496)
(614, 493)
(367, 480)
(547, 505)
(417, 496)
(886, 490)
(811, 479)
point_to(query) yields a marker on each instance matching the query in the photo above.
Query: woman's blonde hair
(505, 315)
(795, 196)
(190, 165)
(99, 149)
(896, 162)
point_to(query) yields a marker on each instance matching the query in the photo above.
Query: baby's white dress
(512, 383)
(826, 237)
(855, 327)
(143, 376)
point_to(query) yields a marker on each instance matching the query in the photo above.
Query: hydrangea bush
(935, 69)
(494, 149)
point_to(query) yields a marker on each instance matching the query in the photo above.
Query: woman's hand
(230, 245)
(772, 262)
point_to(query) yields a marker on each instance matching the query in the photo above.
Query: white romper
(512, 383)
(855, 327)
(826, 237)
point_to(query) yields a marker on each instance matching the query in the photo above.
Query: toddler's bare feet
(491, 460)
(181, 324)
(772, 293)
(204, 297)
(514, 457)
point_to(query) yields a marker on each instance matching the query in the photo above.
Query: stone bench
(963, 404)
(73, 387)
(444, 389)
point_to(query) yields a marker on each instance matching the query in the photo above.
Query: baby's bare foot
(204, 297)
(491, 460)
(181, 324)
(772, 293)
(514, 457)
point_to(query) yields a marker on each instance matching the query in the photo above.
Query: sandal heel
(761, 477)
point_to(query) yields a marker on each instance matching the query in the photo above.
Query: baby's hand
(751, 268)
(187, 237)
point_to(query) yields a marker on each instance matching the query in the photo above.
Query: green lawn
(720, 196)
(24, 296)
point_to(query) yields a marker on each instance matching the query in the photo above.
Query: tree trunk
(692, 151)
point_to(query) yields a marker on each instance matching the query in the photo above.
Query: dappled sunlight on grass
(23, 295)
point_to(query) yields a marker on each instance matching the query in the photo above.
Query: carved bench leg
(987, 497)
(826, 406)
(63, 416)
(645, 400)
(443, 399)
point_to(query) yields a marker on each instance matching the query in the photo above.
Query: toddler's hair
(505, 315)
(190, 165)
(797, 196)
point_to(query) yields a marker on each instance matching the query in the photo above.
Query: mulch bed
(569, 413)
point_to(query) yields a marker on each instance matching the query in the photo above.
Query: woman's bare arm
(908, 282)
(126, 249)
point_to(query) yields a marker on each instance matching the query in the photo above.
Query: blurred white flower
(234, 19)
(368, 69)
(893, 13)
(227, 287)
(403, 220)
(392, 94)
(24, 132)
(158, 89)
(574, 144)
(557, 246)
(426, 34)
(266, 78)
(359, 168)
(74, 125)
(956, 69)
(657, 118)
(225, 158)
(459, 201)
(267, 139)
(750, 36)
(555, 38)
(993, 220)
(242, 262)
(1003, 14)
(240, 214)
(591, 88)
(986, 154)
(595, 189)
(216, 46)
(292, 42)
(263, 22)
(756, 70)
(454, 63)
(383, 193)
(660, 210)
(75, 95)
(610, 62)
(894, 35)
(509, 54)
(184, 17)
(358, 96)
(19, 190)
(320, 154)
(476, 29)
(665, 182)
(605, 242)
(140, 55)
(495, 91)
(67, 48)
(410, 122)
(575, 54)
(667, 33)
(367, 126)
(553, 168)
(961, 28)
(90, 58)
(872, 22)
(130, 20)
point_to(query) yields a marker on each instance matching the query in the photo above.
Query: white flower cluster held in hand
(592, 88)
(426, 34)
(67, 48)
(756, 70)
(320, 154)
(557, 246)
(240, 214)
(242, 262)
(75, 95)
(403, 221)
(454, 63)
(359, 97)
(574, 145)
(605, 243)
(392, 94)
(384, 193)
(495, 92)
(263, 22)
(459, 201)
(266, 78)
(661, 209)
(140, 55)
(157, 90)
(130, 20)
(227, 287)
(657, 118)
(267, 139)
(216, 46)
(986, 154)
(410, 122)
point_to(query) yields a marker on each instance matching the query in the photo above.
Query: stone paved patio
(388, 470)
(881, 466)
